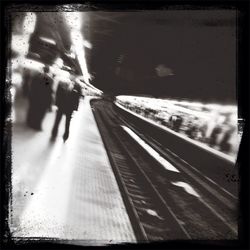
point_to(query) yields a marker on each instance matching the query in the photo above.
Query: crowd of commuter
(217, 131)
(43, 89)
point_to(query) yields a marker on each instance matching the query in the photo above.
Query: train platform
(65, 191)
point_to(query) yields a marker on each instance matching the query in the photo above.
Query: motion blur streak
(151, 151)
(75, 22)
(45, 215)
(186, 187)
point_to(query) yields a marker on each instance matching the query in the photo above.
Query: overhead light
(71, 55)
(65, 67)
(47, 40)
(87, 44)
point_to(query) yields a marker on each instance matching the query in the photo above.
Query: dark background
(198, 45)
(242, 90)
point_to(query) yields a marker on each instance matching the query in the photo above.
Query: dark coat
(67, 100)
(40, 91)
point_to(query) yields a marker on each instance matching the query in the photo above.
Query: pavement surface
(65, 190)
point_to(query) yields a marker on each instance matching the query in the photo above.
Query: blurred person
(213, 140)
(193, 128)
(175, 122)
(229, 138)
(16, 81)
(203, 130)
(27, 77)
(67, 100)
(40, 98)
(211, 128)
(211, 122)
(217, 131)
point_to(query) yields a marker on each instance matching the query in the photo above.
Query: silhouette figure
(67, 100)
(40, 98)
(175, 122)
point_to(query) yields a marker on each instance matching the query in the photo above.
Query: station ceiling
(172, 53)
(195, 49)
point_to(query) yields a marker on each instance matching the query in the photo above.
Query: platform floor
(66, 190)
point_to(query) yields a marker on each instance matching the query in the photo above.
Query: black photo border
(243, 20)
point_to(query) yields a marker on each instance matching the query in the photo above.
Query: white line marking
(151, 151)
(186, 187)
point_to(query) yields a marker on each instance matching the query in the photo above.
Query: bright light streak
(151, 151)
(88, 85)
(72, 55)
(48, 40)
(186, 187)
(74, 20)
(87, 44)
(77, 40)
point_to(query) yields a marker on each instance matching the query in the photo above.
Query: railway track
(221, 170)
(161, 203)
